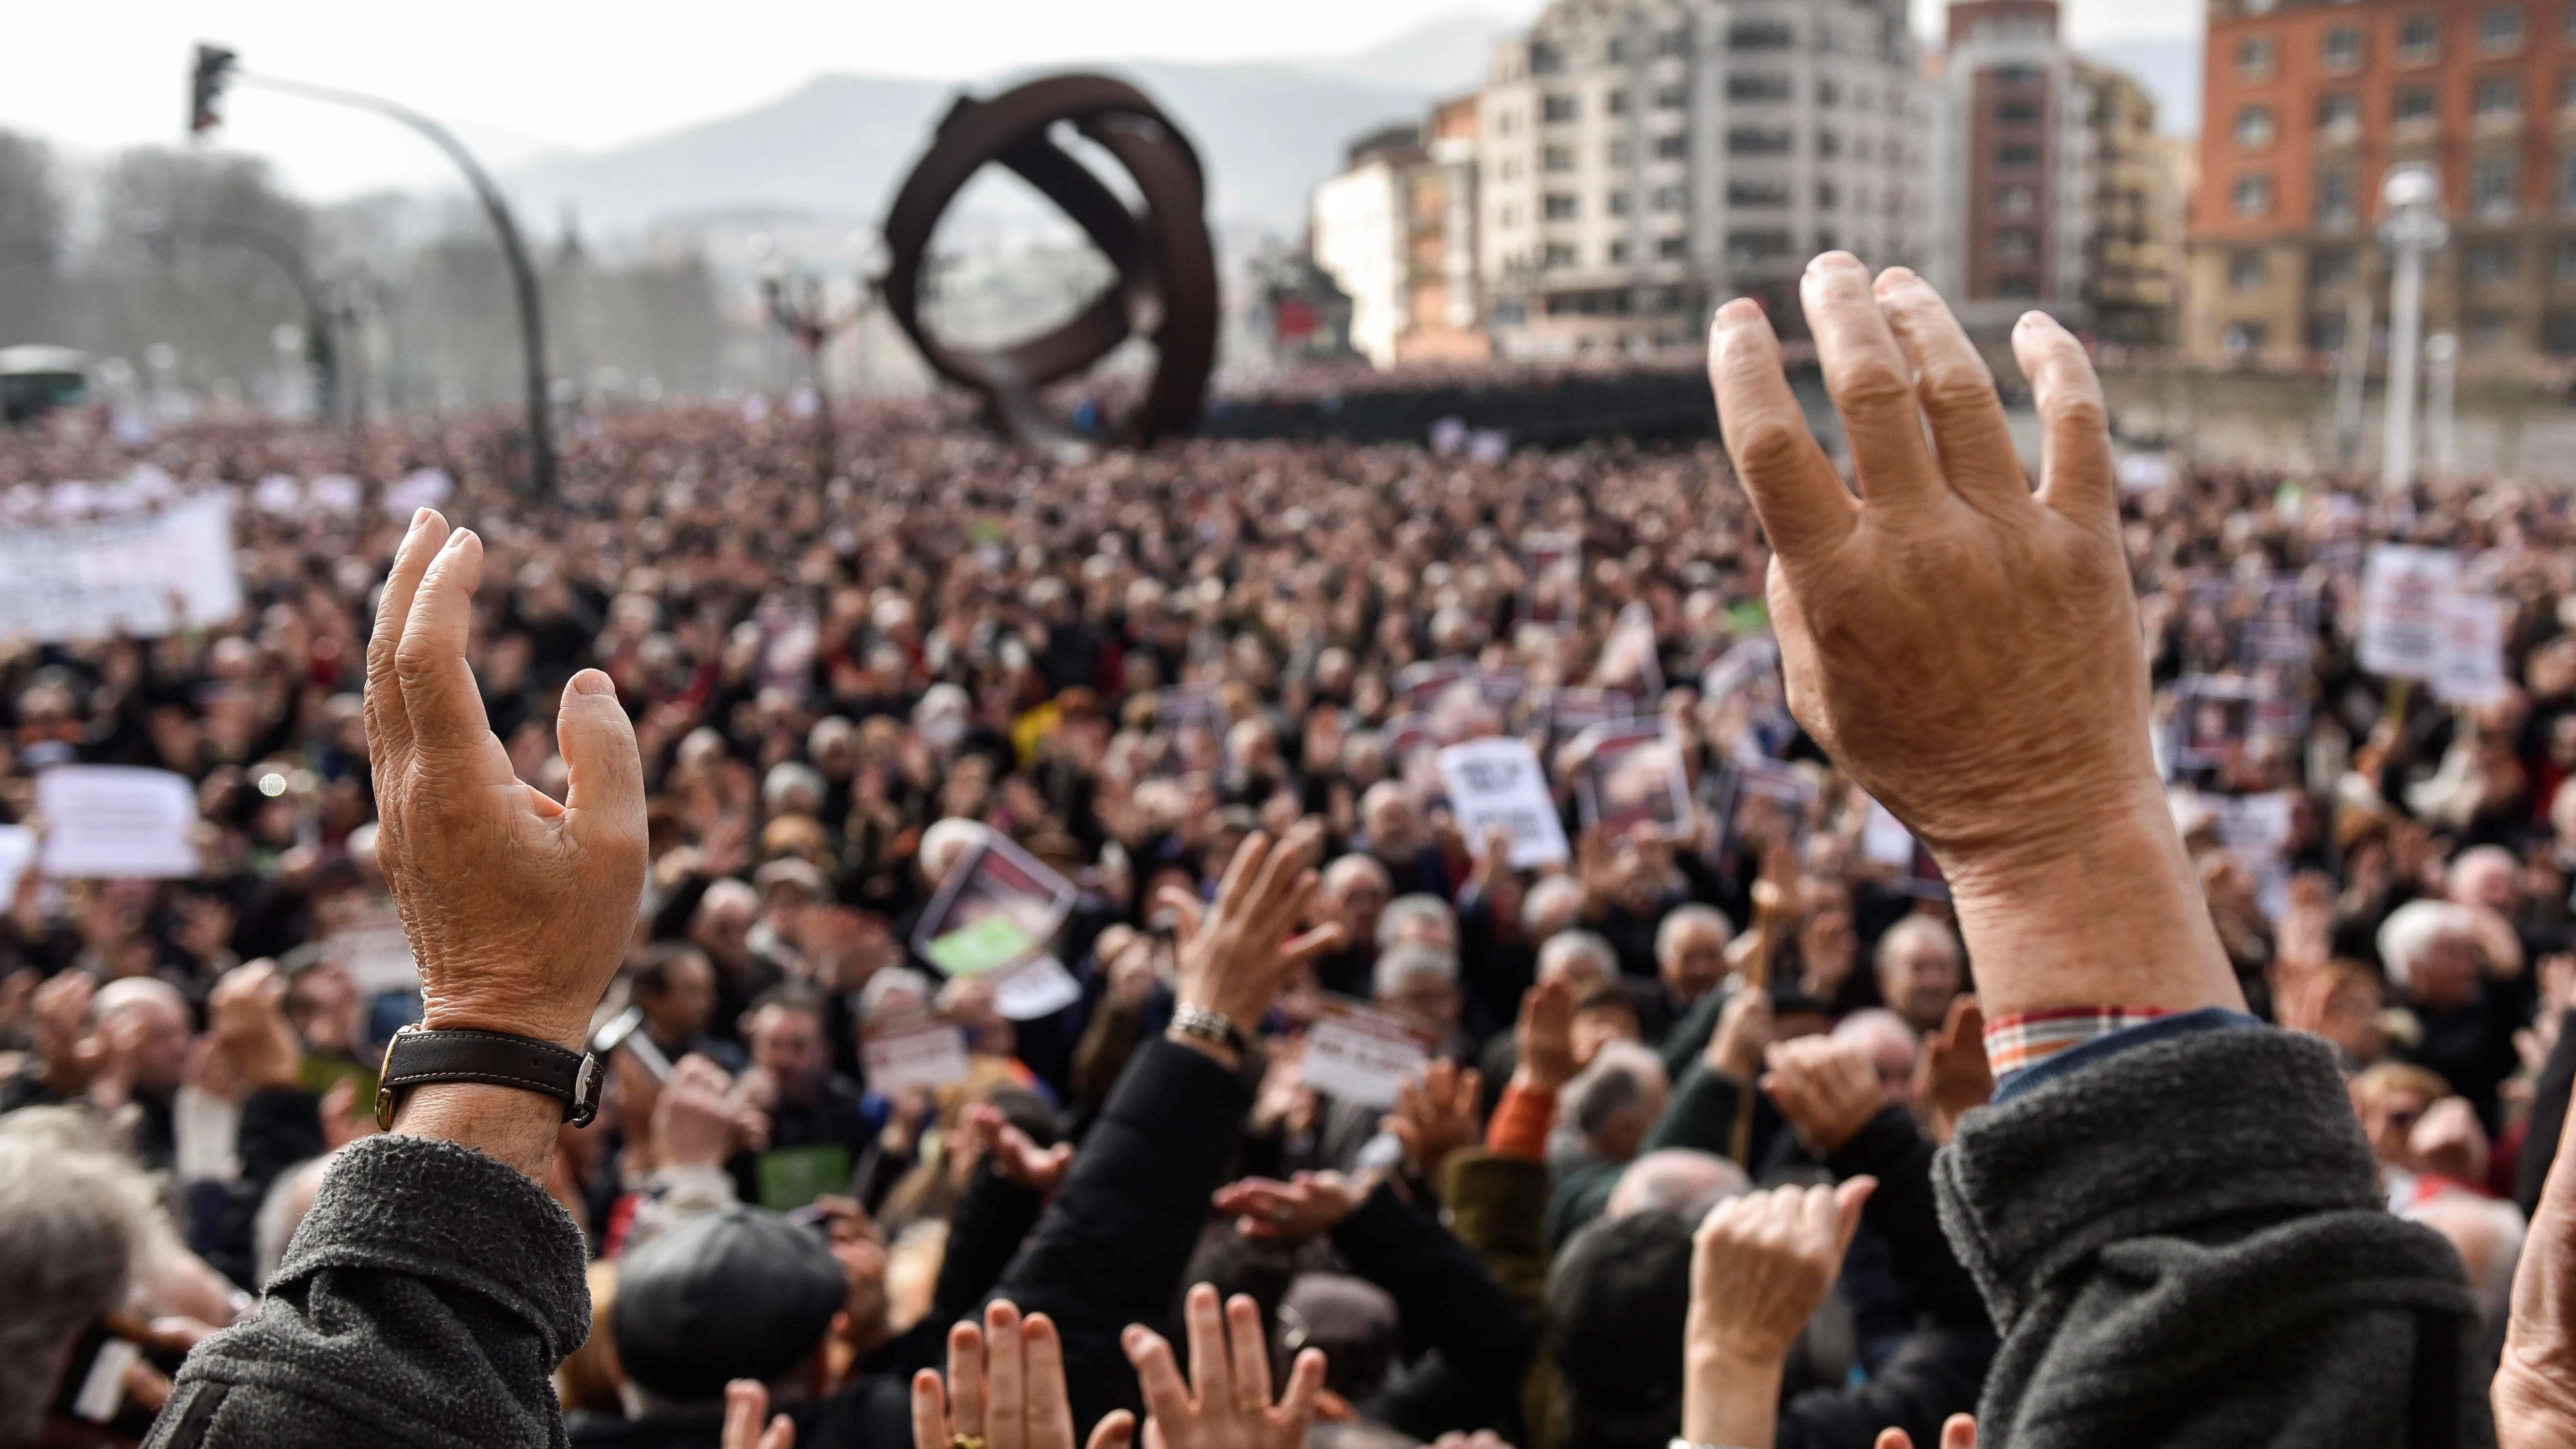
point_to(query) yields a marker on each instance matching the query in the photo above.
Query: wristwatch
(419, 1056)
(1211, 1026)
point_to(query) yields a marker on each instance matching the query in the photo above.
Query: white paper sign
(1362, 1056)
(1631, 776)
(116, 821)
(1884, 840)
(1033, 989)
(370, 945)
(932, 1055)
(141, 576)
(2470, 667)
(1498, 782)
(2405, 598)
(17, 852)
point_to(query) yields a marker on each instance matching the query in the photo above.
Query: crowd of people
(1674, 1164)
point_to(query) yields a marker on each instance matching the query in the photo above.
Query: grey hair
(1403, 963)
(786, 778)
(1911, 928)
(1691, 914)
(1416, 907)
(1565, 946)
(1619, 1076)
(281, 1212)
(1544, 894)
(75, 1227)
(2411, 930)
(888, 980)
(1680, 1180)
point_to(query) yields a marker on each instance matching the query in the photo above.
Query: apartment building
(1642, 160)
(2308, 105)
(1396, 231)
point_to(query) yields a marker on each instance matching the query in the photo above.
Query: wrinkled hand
(1436, 1117)
(1953, 1075)
(1005, 1387)
(746, 1404)
(517, 907)
(246, 1017)
(2535, 1385)
(1307, 1206)
(1744, 1031)
(1760, 1265)
(1827, 1089)
(1959, 1431)
(70, 1053)
(1236, 956)
(1545, 1036)
(1964, 647)
(1226, 1403)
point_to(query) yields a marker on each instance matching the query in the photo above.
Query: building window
(2500, 30)
(1556, 158)
(2245, 271)
(2558, 333)
(1670, 198)
(2253, 195)
(1746, 193)
(1615, 103)
(1618, 253)
(2255, 59)
(2414, 103)
(2016, 200)
(1760, 35)
(1829, 144)
(2019, 75)
(1671, 97)
(2335, 206)
(2490, 263)
(2567, 183)
(2017, 288)
(1768, 242)
(2562, 259)
(2419, 40)
(2343, 48)
(2254, 127)
(1757, 85)
(1509, 170)
(2325, 334)
(1759, 141)
(1545, 59)
(2242, 338)
(1828, 196)
(1557, 108)
(1619, 203)
(1829, 92)
(1672, 42)
(2016, 245)
(2491, 185)
(2499, 95)
(1672, 147)
(2487, 330)
(2017, 113)
(1672, 248)
(1562, 206)
(2338, 113)
(1619, 152)
(2330, 267)
(2016, 156)
(1559, 254)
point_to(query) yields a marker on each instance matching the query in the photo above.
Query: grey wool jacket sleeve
(2183, 1244)
(425, 1301)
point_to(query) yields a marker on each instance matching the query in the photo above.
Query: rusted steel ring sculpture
(1166, 289)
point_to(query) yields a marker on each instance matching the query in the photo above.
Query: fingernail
(1739, 312)
(419, 516)
(591, 681)
(2036, 319)
(457, 539)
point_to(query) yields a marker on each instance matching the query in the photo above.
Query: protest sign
(2470, 668)
(792, 1177)
(1551, 579)
(1361, 1055)
(1759, 804)
(144, 576)
(17, 852)
(1035, 988)
(2213, 717)
(116, 821)
(1422, 685)
(916, 1053)
(1407, 734)
(1499, 782)
(997, 909)
(420, 488)
(2405, 600)
(368, 943)
(1630, 775)
(1572, 711)
(2256, 830)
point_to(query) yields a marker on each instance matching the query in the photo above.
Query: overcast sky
(514, 74)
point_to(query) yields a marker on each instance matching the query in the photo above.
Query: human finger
(746, 1401)
(1186, 911)
(781, 1435)
(1249, 1351)
(1959, 1431)
(2076, 475)
(1006, 1396)
(929, 1412)
(388, 727)
(1848, 1198)
(1050, 1411)
(1305, 1383)
(1166, 1397)
(1116, 1430)
(1801, 500)
(1234, 890)
(1894, 1439)
(440, 700)
(605, 793)
(1955, 389)
(966, 1400)
(1211, 1377)
(1310, 944)
(1870, 382)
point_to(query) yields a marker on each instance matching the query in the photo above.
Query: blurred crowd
(843, 686)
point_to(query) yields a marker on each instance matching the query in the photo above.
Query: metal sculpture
(1166, 290)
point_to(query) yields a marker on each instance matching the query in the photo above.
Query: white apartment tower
(1644, 160)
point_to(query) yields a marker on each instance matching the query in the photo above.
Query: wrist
(562, 1029)
(1536, 1085)
(1215, 1051)
(1731, 1393)
(510, 1125)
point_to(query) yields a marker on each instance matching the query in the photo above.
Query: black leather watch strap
(419, 1056)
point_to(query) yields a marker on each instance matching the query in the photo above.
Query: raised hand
(1017, 1158)
(1744, 1028)
(1005, 1390)
(1308, 1205)
(1827, 1089)
(1436, 1117)
(1953, 1075)
(1967, 648)
(1760, 1265)
(246, 1022)
(1226, 1403)
(694, 1115)
(1545, 1036)
(1959, 1431)
(1236, 956)
(518, 908)
(746, 1404)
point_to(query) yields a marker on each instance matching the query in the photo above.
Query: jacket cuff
(2164, 1137)
(1178, 1094)
(450, 1215)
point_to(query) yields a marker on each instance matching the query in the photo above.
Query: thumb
(606, 771)
(1959, 1431)
(1896, 1439)
(1848, 1198)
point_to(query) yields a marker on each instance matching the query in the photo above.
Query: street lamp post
(2412, 199)
(215, 67)
(798, 307)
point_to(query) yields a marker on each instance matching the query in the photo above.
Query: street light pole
(2411, 197)
(2441, 393)
(216, 67)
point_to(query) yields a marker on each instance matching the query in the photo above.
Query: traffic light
(206, 87)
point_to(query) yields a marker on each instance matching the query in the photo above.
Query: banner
(144, 576)
(116, 822)
(1631, 775)
(1363, 1056)
(1499, 782)
(2470, 668)
(913, 1054)
(2405, 601)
